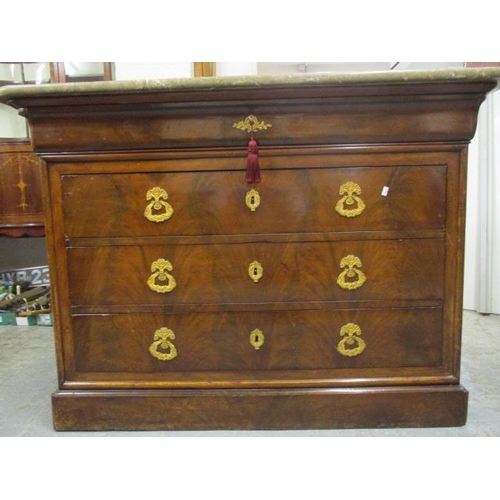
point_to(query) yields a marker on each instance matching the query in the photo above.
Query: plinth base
(256, 409)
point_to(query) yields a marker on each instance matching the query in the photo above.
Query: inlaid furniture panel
(21, 209)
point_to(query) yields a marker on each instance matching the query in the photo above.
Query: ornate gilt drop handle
(161, 340)
(350, 205)
(346, 278)
(159, 269)
(158, 210)
(351, 344)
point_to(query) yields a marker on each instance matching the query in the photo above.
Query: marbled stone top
(209, 83)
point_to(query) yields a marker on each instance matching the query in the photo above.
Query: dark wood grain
(335, 114)
(214, 202)
(405, 144)
(298, 340)
(261, 409)
(397, 269)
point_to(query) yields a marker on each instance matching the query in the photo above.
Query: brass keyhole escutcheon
(252, 199)
(351, 344)
(255, 271)
(352, 277)
(160, 275)
(161, 340)
(350, 205)
(158, 210)
(257, 339)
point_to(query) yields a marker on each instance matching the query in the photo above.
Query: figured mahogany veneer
(399, 342)
(218, 273)
(302, 198)
(329, 296)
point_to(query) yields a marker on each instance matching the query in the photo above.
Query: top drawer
(221, 203)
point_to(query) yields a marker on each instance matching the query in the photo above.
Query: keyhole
(255, 271)
(252, 199)
(256, 339)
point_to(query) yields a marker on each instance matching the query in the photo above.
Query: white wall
(482, 243)
(12, 126)
(235, 68)
(271, 68)
(152, 70)
(280, 68)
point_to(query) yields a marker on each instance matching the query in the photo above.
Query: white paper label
(385, 190)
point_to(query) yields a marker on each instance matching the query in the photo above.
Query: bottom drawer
(232, 345)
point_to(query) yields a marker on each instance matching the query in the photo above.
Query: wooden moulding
(426, 406)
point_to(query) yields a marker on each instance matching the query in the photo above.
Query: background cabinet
(21, 209)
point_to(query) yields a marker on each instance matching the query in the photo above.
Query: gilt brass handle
(161, 340)
(159, 269)
(255, 271)
(252, 199)
(351, 344)
(350, 205)
(158, 210)
(346, 278)
(256, 339)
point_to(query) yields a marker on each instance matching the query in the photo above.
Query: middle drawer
(257, 272)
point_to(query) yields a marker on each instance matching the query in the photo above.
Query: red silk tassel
(253, 169)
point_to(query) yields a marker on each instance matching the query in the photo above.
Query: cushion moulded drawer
(256, 272)
(287, 200)
(175, 348)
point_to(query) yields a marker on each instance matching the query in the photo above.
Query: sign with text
(37, 276)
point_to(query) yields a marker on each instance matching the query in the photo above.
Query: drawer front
(308, 200)
(333, 341)
(257, 272)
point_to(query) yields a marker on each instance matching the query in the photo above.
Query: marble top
(212, 83)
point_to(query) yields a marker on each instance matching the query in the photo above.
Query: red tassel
(253, 169)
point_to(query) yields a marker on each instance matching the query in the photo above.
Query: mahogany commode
(329, 295)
